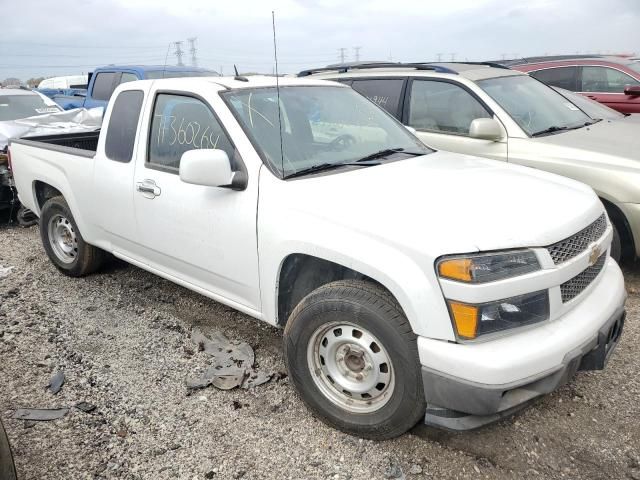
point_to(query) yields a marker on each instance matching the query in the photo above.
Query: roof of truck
(250, 81)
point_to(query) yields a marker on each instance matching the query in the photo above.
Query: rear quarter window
(123, 126)
(562, 77)
(385, 93)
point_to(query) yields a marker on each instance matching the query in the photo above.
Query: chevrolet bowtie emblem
(594, 255)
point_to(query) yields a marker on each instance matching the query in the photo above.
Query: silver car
(491, 111)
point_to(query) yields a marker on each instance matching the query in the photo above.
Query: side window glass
(564, 77)
(180, 124)
(128, 77)
(103, 86)
(123, 125)
(605, 80)
(443, 107)
(384, 93)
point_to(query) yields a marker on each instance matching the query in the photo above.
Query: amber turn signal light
(465, 318)
(456, 269)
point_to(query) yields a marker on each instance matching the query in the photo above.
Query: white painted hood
(437, 204)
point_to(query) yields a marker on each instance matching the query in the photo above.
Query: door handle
(148, 188)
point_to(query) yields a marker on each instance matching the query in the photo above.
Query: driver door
(202, 236)
(442, 112)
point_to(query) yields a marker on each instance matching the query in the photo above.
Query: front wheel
(353, 357)
(63, 242)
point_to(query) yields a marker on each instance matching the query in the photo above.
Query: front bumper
(469, 385)
(472, 405)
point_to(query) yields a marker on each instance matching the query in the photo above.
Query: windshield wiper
(555, 128)
(321, 167)
(551, 129)
(385, 153)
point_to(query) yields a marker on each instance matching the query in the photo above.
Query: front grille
(574, 287)
(576, 244)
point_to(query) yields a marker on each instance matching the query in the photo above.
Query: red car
(614, 81)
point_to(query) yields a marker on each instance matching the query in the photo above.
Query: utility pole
(342, 50)
(356, 53)
(453, 56)
(193, 50)
(439, 57)
(178, 52)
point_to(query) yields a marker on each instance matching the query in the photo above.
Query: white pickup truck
(411, 284)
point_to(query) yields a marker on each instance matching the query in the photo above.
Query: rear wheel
(63, 242)
(352, 355)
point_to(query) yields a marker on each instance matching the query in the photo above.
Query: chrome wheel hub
(351, 367)
(62, 238)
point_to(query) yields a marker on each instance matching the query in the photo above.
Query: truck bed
(81, 143)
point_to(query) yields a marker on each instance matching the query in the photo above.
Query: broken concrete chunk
(85, 407)
(56, 382)
(5, 271)
(40, 414)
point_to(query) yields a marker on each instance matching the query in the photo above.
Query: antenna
(238, 76)
(275, 56)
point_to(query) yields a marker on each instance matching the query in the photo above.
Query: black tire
(616, 245)
(83, 258)
(7, 467)
(372, 308)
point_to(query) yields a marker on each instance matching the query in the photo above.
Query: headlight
(472, 321)
(487, 268)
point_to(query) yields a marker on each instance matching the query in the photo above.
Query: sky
(71, 36)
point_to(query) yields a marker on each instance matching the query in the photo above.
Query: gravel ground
(122, 338)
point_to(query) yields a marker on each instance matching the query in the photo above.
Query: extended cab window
(123, 124)
(385, 93)
(443, 107)
(181, 123)
(605, 80)
(562, 77)
(103, 86)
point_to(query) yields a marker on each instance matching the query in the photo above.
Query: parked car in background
(103, 81)
(68, 81)
(492, 111)
(613, 81)
(7, 467)
(596, 110)
(412, 285)
(18, 103)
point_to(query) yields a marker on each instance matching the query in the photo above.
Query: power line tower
(356, 53)
(439, 57)
(342, 51)
(453, 56)
(193, 50)
(178, 52)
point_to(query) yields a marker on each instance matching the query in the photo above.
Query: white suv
(488, 110)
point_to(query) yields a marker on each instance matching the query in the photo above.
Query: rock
(415, 469)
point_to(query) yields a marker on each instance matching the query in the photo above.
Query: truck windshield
(13, 107)
(322, 126)
(535, 107)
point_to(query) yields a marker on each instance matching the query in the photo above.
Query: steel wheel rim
(62, 238)
(351, 367)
